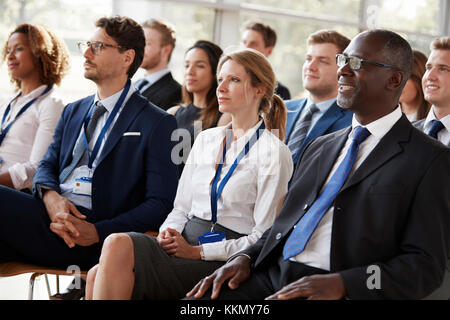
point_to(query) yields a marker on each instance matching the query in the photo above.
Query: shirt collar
(431, 116)
(155, 76)
(381, 126)
(111, 101)
(322, 106)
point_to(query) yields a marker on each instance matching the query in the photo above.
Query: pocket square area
(131, 134)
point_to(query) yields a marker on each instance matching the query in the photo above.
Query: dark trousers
(265, 280)
(25, 234)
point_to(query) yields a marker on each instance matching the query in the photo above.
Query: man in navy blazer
(319, 79)
(129, 184)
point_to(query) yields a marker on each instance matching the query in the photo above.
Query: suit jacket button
(305, 207)
(278, 236)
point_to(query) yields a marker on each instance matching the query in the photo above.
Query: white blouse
(249, 201)
(30, 135)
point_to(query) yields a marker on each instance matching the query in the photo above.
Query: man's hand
(316, 287)
(67, 222)
(237, 270)
(175, 245)
(74, 231)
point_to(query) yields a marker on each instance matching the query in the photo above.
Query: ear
(167, 49)
(269, 51)
(260, 90)
(395, 80)
(128, 57)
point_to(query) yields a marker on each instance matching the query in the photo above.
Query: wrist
(202, 254)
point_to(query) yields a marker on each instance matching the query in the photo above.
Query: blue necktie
(435, 128)
(300, 130)
(303, 230)
(79, 148)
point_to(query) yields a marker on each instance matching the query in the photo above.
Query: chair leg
(48, 286)
(31, 285)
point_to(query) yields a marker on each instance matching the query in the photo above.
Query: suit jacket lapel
(387, 148)
(328, 156)
(158, 85)
(127, 115)
(73, 129)
(292, 120)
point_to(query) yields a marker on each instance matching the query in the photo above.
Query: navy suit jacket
(135, 181)
(335, 118)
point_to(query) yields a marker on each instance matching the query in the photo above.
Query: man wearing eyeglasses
(318, 114)
(367, 212)
(108, 169)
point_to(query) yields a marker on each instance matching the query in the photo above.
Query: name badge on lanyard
(216, 188)
(83, 183)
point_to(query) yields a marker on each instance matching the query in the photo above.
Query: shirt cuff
(39, 188)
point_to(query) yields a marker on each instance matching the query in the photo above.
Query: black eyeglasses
(355, 63)
(95, 46)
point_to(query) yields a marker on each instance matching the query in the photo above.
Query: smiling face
(366, 91)
(235, 92)
(436, 80)
(319, 71)
(21, 62)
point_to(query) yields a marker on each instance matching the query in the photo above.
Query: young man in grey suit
(318, 114)
(371, 233)
(158, 85)
(436, 87)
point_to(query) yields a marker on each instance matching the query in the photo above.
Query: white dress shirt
(250, 200)
(317, 250)
(30, 135)
(443, 135)
(67, 186)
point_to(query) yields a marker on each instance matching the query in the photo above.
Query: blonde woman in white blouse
(36, 62)
(217, 211)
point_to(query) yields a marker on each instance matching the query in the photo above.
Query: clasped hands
(315, 287)
(175, 245)
(68, 222)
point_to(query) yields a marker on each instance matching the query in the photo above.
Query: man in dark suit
(108, 169)
(158, 85)
(381, 225)
(318, 114)
(261, 37)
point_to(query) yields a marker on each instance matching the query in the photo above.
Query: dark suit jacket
(393, 212)
(165, 93)
(335, 118)
(135, 181)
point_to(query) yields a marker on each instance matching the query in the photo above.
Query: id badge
(83, 186)
(211, 236)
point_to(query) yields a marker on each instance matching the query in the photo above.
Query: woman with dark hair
(199, 109)
(231, 190)
(37, 61)
(412, 100)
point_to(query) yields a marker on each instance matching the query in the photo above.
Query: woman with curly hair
(36, 62)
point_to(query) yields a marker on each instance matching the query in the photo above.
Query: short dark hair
(128, 34)
(269, 35)
(396, 52)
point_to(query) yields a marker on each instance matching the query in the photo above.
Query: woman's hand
(175, 245)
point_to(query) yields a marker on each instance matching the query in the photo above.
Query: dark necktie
(79, 148)
(300, 130)
(141, 84)
(303, 230)
(435, 128)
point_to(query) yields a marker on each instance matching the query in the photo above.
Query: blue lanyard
(105, 128)
(216, 192)
(4, 132)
